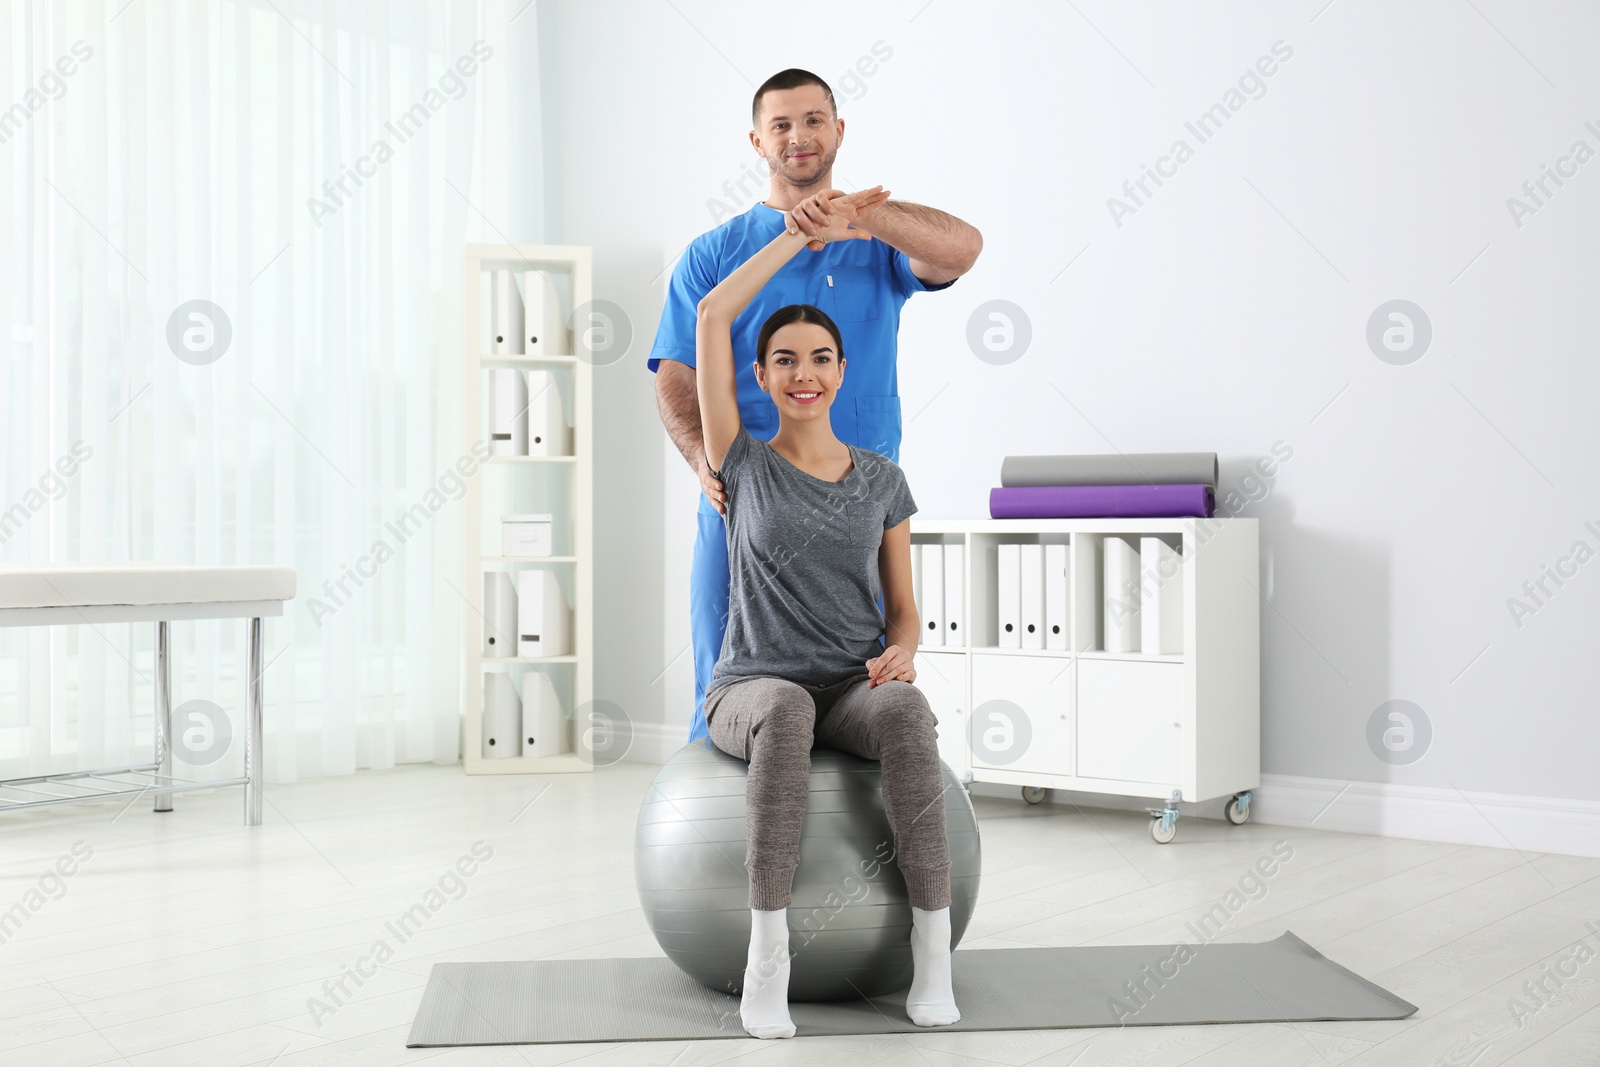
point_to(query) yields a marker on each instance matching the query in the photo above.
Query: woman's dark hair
(796, 313)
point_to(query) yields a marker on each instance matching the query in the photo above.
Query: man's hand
(893, 665)
(832, 215)
(712, 488)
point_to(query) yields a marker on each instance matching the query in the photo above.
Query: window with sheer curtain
(230, 293)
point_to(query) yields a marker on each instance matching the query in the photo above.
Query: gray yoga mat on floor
(1131, 468)
(543, 1001)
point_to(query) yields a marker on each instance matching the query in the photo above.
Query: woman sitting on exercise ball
(813, 526)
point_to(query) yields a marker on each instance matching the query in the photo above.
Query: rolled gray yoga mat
(1132, 468)
(549, 1001)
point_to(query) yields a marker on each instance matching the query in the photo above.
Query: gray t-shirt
(803, 579)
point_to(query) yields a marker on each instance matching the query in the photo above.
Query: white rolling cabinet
(1179, 724)
(942, 677)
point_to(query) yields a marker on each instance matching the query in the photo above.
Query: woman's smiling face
(803, 370)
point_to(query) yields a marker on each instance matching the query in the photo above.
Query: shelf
(1057, 653)
(566, 762)
(1135, 724)
(568, 495)
(100, 785)
(530, 361)
(552, 259)
(532, 459)
(1172, 524)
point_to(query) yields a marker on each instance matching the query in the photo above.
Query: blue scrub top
(860, 284)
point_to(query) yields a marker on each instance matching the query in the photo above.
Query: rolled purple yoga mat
(1101, 501)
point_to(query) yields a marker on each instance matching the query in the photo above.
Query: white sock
(764, 1005)
(931, 1001)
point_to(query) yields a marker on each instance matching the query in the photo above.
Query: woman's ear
(761, 377)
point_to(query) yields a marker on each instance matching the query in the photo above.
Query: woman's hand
(825, 217)
(893, 666)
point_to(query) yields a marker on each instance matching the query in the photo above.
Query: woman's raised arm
(716, 377)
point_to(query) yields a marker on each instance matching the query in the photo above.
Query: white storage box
(525, 535)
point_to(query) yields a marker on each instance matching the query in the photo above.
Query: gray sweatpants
(774, 723)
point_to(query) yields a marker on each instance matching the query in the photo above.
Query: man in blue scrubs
(860, 284)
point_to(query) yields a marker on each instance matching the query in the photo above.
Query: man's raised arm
(940, 246)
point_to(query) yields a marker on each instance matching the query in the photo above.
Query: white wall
(1226, 314)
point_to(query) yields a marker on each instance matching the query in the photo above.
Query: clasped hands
(832, 215)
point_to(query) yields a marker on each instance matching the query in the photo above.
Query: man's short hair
(792, 78)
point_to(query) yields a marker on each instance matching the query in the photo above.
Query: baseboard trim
(654, 743)
(1428, 813)
(1382, 809)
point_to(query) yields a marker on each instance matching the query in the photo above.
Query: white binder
(544, 728)
(932, 596)
(1032, 596)
(546, 326)
(1161, 610)
(916, 580)
(1088, 582)
(544, 621)
(499, 615)
(502, 716)
(505, 315)
(1121, 593)
(954, 596)
(1057, 622)
(508, 411)
(549, 433)
(1008, 594)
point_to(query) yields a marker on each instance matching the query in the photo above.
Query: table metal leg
(252, 738)
(163, 711)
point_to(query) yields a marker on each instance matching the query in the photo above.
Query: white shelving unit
(562, 486)
(1178, 727)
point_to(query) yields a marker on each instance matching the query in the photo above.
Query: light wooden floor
(187, 939)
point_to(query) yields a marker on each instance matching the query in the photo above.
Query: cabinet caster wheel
(1164, 821)
(1032, 794)
(1238, 810)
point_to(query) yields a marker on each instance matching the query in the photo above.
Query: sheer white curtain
(230, 294)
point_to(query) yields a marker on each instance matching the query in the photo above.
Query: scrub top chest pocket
(849, 294)
(761, 419)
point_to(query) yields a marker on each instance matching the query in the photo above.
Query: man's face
(798, 135)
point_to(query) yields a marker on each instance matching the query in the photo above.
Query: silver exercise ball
(849, 915)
